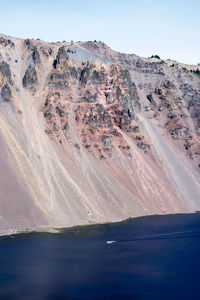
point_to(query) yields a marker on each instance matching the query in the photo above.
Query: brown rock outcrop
(92, 135)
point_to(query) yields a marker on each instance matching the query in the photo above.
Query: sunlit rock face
(92, 135)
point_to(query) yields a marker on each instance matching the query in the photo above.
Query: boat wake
(169, 235)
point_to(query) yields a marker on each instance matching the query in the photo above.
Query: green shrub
(95, 74)
(160, 62)
(197, 71)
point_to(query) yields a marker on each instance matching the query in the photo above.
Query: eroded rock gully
(91, 135)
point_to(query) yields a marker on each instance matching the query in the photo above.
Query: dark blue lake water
(154, 257)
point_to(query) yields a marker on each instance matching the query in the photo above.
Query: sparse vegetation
(173, 65)
(57, 94)
(197, 71)
(160, 62)
(95, 74)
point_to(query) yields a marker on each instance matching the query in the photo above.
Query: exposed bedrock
(91, 135)
(36, 56)
(6, 93)
(5, 70)
(30, 78)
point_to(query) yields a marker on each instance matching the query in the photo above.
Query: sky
(170, 29)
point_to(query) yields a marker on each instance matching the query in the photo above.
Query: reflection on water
(146, 258)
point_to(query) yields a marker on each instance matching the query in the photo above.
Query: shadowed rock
(30, 77)
(158, 91)
(168, 84)
(6, 93)
(27, 43)
(5, 70)
(36, 56)
(57, 80)
(55, 63)
(97, 116)
(84, 75)
(6, 42)
(61, 57)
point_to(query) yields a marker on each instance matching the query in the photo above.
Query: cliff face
(92, 135)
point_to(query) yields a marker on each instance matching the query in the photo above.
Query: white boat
(110, 242)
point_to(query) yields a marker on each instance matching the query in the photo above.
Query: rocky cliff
(91, 135)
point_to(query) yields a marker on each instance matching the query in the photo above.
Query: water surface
(155, 257)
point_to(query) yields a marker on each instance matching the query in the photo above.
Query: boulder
(168, 84)
(158, 91)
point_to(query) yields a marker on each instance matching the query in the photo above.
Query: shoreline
(76, 228)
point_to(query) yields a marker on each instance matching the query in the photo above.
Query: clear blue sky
(170, 28)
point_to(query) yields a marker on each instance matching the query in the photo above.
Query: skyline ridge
(143, 27)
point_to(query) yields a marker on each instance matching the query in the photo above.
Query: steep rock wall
(91, 135)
